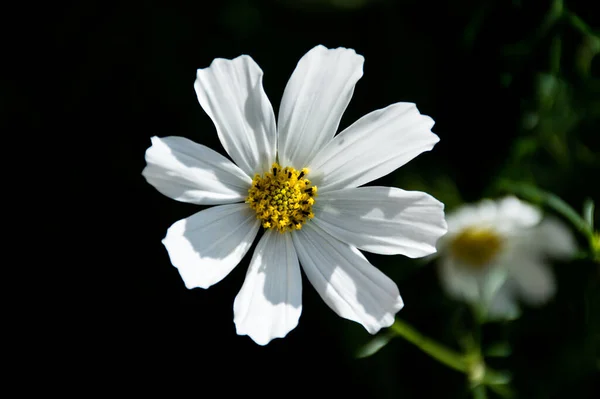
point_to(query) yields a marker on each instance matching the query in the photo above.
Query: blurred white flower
(496, 252)
(274, 183)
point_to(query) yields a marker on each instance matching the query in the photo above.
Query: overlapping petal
(231, 93)
(459, 282)
(504, 304)
(375, 145)
(533, 279)
(555, 239)
(382, 220)
(314, 100)
(514, 216)
(345, 279)
(471, 284)
(206, 246)
(270, 302)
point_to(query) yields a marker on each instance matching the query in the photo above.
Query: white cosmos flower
(495, 253)
(274, 182)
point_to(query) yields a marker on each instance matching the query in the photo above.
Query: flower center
(282, 198)
(476, 246)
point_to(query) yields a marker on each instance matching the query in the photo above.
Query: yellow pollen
(476, 246)
(282, 198)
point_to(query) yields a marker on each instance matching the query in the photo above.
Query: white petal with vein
(190, 172)
(382, 220)
(270, 302)
(372, 147)
(231, 93)
(314, 100)
(347, 282)
(206, 246)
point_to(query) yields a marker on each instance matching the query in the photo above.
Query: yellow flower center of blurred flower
(282, 198)
(476, 246)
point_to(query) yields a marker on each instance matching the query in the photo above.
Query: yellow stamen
(476, 246)
(282, 198)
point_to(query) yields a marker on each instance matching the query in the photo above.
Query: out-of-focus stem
(579, 24)
(434, 349)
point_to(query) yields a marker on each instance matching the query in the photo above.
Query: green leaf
(588, 212)
(374, 345)
(493, 377)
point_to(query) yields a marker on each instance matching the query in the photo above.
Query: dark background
(112, 75)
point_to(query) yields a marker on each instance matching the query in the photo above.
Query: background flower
(498, 252)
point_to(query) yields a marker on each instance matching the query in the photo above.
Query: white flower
(495, 253)
(274, 183)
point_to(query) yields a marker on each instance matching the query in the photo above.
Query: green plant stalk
(588, 212)
(471, 364)
(479, 392)
(555, 52)
(434, 349)
(554, 14)
(501, 390)
(580, 25)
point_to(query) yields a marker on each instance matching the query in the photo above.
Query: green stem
(579, 24)
(479, 392)
(553, 15)
(502, 390)
(471, 364)
(588, 212)
(434, 349)
(555, 50)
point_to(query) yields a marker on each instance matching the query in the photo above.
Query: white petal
(504, 304)
(555, 239)
(372, 147)
(474, 285)
(514, 215)
(231, 93)
(482, 214)
(490, 289)
(382, 220)
(508, 216)
(190, 172)
(533, 278)
(458, 282)
(345, 279)
(270, 302)
(522, 213)
(206, 246)
(314, 100)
